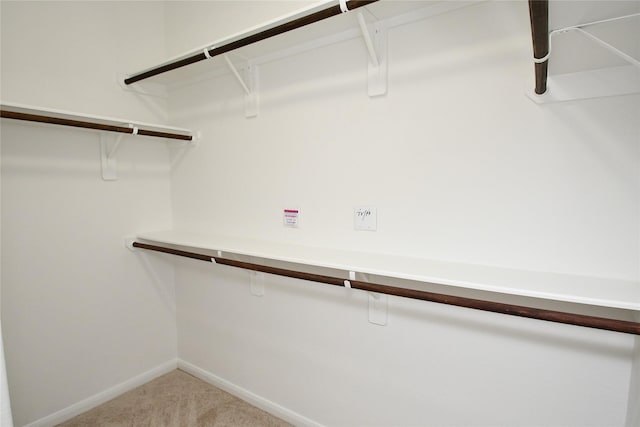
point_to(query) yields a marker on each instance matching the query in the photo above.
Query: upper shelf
(324, 20)
(86, 121)
(605, 292)
(594, 54)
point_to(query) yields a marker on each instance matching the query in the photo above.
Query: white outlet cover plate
(365, 218)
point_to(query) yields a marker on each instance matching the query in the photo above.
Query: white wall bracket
(109, 145)
(249, 86)
(257, 283)
(377, 65)
(378, 308)
(128, 243)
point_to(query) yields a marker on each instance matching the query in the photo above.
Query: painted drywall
(461, 166)
(6, 418)
(633, 410)
(310, 349)
(81, 314)
(81, 49)
(459, 163)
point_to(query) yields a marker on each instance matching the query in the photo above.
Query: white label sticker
(291, 217)
(365, 218)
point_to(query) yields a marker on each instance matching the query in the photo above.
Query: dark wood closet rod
(539, 16)
(89, 125)
(245, 41)
(496, 307)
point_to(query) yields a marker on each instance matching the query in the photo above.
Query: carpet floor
(176, 399)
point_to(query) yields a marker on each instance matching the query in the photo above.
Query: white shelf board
(62, 114)
(603, 292)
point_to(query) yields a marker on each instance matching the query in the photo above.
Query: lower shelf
(299, 260)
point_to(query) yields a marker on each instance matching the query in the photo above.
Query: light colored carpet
(176, 399)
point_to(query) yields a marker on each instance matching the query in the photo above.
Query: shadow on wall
(161, 282)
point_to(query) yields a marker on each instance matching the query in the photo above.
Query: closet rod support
(237, 75)
(367, 40)
(116, 145)
(114, 149)
(128, 243)
(377, 49)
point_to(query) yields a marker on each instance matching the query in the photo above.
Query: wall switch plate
(365, 218)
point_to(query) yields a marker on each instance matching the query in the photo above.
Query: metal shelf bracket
(109, 145)
(249, 86)
(257, 283)
(377, 49)
(378, 308)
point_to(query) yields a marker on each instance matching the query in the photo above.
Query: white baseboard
(244, 394)
(104, 396)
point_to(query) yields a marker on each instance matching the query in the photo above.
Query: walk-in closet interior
(345, 212)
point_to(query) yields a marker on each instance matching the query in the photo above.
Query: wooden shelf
(604, 292)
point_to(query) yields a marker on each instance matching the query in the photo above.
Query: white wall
(455, 152)
(462, 167)
(80, 313)
(67, 55)
(633, 410)
(310, 349)
(191, 24)
(633, 415)
(6, 418)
